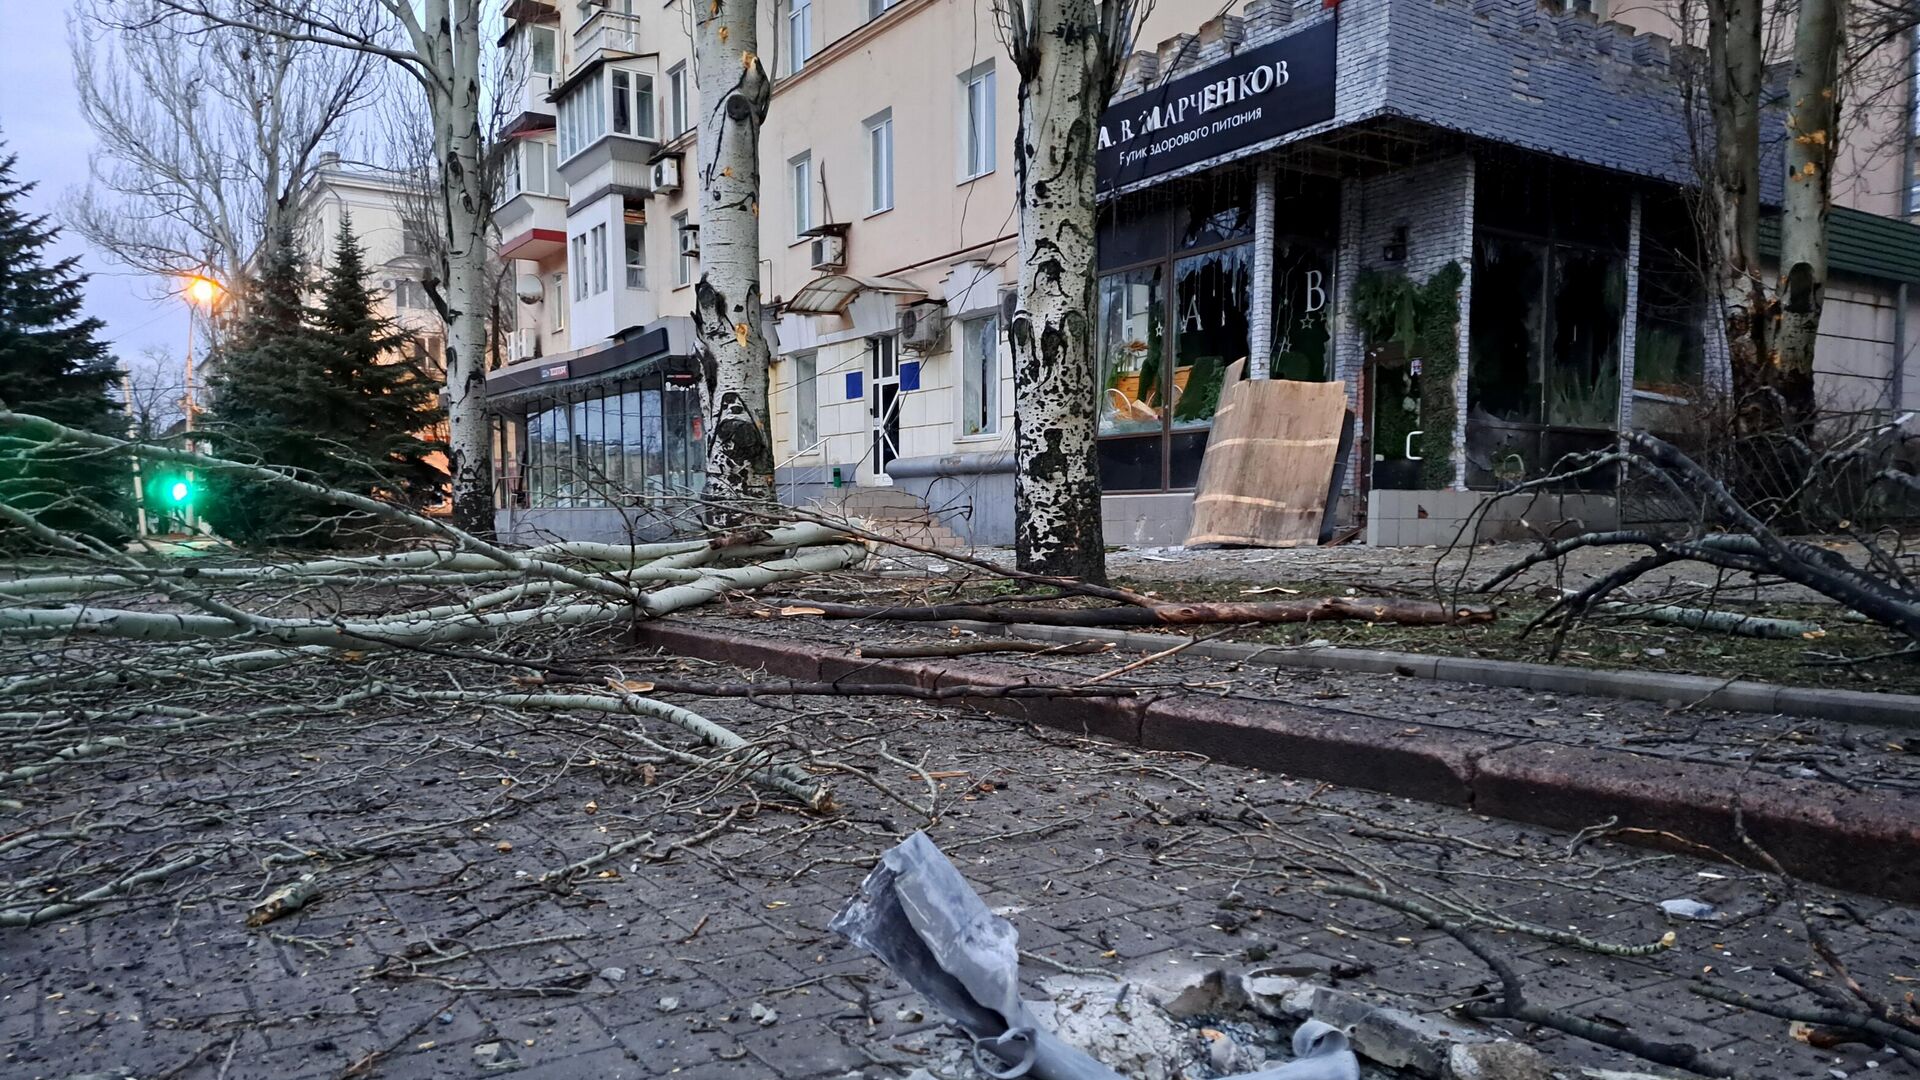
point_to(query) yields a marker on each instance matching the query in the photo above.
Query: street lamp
(205, 292)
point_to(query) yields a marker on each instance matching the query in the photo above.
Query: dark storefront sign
(1251, 97)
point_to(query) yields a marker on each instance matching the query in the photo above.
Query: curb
(1697, 691)
(1862, 841)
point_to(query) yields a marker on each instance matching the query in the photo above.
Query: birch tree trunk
(1813, 101)
(449, 41)
(733, 91)
(1735, 71)
(1066, 54)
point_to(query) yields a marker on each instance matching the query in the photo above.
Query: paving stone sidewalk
(441, 957)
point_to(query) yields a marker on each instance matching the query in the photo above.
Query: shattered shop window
(1583, 369)
(1211, 306)
(1507, 330)
(1670, 345)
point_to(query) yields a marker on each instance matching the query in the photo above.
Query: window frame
(799, 35)
(599, 245)
(581, 278)
(979, 146)
(559, 301)
(679, 112)
(988, 372)
(553, 52)
(877, 8)
(879, 131)
(800, 179)
(806, 401)
(683, 263)
(636, 277)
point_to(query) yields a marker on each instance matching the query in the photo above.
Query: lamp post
(203, 291)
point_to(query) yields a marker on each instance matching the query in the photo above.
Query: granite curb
(1867, 841)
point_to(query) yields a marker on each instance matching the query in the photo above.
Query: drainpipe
(1260, 317)
(1897, 377)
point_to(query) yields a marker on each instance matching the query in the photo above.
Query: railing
(793, 485)
(606, 30)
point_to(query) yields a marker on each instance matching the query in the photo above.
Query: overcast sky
(40, 122)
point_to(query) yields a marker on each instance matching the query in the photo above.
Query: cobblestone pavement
(432, 952)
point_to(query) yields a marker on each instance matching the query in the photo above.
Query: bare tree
(437, 43)
(1813, 95)
(1736, 69)
(1068, 54)
(207, 131)
(153, 393)
(732, 346)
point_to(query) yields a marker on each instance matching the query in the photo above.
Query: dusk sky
(40, 122)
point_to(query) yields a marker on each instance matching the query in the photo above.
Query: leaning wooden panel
(1269, 461)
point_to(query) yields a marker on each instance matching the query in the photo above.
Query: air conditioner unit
(829, 252)
(923, 327)
(690, 240)
(666, 176)
(526, 343)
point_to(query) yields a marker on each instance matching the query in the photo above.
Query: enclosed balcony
(530, 207)
(607, 122)
(606, 35)
(532, 54)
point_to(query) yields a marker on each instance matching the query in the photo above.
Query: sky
(40, 122)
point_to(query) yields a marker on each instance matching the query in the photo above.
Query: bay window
(625, 96)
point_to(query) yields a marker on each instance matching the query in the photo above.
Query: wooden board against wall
(1269, 462)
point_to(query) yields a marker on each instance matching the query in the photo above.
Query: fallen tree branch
(1326, 609)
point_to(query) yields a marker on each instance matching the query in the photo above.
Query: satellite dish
(529, 290)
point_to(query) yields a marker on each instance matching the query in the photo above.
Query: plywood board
(1269, 463)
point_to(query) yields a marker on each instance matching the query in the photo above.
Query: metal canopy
(830, 295)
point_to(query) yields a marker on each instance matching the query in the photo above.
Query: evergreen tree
(53, 365)
(381, 400)
(326, 390)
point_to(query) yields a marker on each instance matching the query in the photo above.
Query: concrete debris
(1496, 1061)
(1396, 1038)
(1132, 1035)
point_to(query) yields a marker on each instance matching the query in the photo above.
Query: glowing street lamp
(202, 290)
(205, 292)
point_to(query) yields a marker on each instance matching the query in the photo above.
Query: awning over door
(830, 295)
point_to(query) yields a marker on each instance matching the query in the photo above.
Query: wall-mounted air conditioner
(526, 343)
(690, 240)
(829, 252)
(666, 176)
(923, 327)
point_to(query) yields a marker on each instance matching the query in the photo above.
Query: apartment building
(376, 203)
(1262, 174)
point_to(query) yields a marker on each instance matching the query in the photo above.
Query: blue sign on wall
(855, 391)
(909, 376)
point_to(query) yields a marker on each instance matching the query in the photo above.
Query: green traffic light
(179, 491)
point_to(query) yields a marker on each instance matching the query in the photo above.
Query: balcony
(606, 31)
(529, 108)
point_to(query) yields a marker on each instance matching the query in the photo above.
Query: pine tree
(325, 390)
(53, 365)
(382, 400)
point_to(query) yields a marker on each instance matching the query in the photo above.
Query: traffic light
(173, 491)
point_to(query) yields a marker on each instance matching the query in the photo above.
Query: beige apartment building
(375, 202)
(1256, 166)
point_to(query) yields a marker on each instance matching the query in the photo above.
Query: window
(676, 99)
(877, 8)
(636, 255)
(580, 278)
(582, 118)
(806, 402)
(409, 294)
(559, 302)
(410, 243)
(980, 377)
(683, 265)
(977, 103)
(800, 172)
(540, 46)
(880, 162)
(599, 259)
(800, 34)
(632, 104)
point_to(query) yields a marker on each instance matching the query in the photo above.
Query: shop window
(1131, 230)
(1210, 309)
(1216, 210)
(1302, 291)
(1589, 301)
(633, 447)
(1508, 320)
(1130, 353)
(653, 443)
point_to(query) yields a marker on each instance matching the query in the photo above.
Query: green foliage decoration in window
(1424, 319)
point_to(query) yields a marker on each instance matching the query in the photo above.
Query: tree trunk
(1736, 69)
(732, 346)
(1064, 81)
(454, 51)
(1813, 96)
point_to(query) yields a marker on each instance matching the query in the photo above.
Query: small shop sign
(1248, 98)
